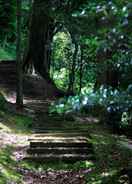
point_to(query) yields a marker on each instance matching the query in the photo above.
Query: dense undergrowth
(113, 107)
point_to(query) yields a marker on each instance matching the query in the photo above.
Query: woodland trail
(54, 135)
(53, 138)
(46, 144)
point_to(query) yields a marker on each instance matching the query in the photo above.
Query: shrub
(109, 105)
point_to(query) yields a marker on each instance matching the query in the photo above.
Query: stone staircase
(69, 147)
(55, 139)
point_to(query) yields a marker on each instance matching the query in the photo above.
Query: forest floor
(113, 155)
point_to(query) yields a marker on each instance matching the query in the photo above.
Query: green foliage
(113, 107)
(18, 123)
(125, 68)
(61, 59)
(15, 122)
(7, 17)
(8, 171)
(22, 123)
(8, 28)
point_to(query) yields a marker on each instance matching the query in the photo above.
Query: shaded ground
(59, 177)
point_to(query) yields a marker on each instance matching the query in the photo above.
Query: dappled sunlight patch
(8, 135)
(57, 172)
(19, 153)
(108, 173)
(4, 128)
(10, 96)
(107, 177)
(13, 140)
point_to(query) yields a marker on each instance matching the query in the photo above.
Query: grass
(8, 173)
(16, 123)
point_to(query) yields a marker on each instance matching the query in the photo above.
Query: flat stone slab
(64, 157)
(60, 134)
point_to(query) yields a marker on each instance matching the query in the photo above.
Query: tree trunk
(72, 72)
(40, 43)
(81, 69)
(19, 97)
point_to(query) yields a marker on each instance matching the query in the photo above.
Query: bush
(109, 105)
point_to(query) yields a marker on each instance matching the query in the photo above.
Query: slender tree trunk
(81, 70)
(19, 90)
(72, 72)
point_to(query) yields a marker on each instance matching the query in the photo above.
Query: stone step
(60, 150)
(11, 76)
(58, 129)
(7, 61)
(56, 138)
(8, 67)
(59, 139)
(61, 157)
(9, 71)
(35, 144)
(8, 81)
(60, 134)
